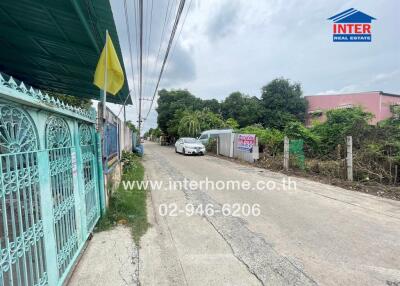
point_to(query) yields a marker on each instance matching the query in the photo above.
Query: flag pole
(105, 79)
(103, 119)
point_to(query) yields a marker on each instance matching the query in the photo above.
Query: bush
(128, 206)
(211, 146)
(339, 124)
(296, 130)
(270, 140)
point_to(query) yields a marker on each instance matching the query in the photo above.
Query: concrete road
(308, 234)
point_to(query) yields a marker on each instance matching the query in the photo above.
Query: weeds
(128, 206)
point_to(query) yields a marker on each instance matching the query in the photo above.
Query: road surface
(310, 234)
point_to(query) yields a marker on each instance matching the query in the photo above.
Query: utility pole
(140, 64)
(349, 158)
(124, 114)
(286, 143)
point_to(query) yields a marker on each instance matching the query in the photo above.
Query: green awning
(54, 45)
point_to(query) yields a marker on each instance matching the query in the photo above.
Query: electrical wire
(131, 60)
(177, 18)
(148, 49)
(180, 31)
(140, 63)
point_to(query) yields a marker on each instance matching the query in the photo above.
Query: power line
(131, 60)
(140, 63)
(166, 19)
(136, 38)
(148, 48)
(180, 31)
(178, 16)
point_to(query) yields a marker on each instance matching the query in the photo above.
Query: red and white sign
(246, 142)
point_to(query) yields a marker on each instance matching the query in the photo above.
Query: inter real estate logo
(352, 26)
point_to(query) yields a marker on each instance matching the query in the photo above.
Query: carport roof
(54, 45)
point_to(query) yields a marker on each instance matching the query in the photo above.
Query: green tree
(192, 123)
(341, 123)
(212, 105)
(131, 126)
(189, 124)
(171, 102)
(244, 109)
(283, 102)
(232, 123)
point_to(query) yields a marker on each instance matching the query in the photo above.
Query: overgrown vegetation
(72, 100)
(376, 149)
(281, 111)
(180, 113)
(128, 206)
(131, 126)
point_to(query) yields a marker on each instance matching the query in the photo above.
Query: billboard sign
(246, 142)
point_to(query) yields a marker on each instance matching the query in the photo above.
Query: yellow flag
(115, 74)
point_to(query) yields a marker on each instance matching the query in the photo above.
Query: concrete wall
(125, 138)
(386, 102)
(227, 146)
(376, 102)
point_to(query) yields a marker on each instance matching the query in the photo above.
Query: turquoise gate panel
(88, 153)
(22, 260)
(49, 185)
(58, 141)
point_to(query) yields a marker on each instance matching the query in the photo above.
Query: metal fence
(50, 185)
(228, 146)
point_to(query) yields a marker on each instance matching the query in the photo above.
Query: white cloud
(242, 45)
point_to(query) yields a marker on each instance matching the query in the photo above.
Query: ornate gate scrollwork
(57, 133)
(22, 255)
(17, 132)
(59, 143)
(86, 141)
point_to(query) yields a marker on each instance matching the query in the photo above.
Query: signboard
(246, 142)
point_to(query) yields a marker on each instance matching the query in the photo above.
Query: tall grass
(128, 206)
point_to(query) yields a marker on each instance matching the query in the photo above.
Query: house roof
(351, 16)
(54, 45)
(360, 92)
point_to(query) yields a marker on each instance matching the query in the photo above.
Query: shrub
(270, 140)
(296, 130)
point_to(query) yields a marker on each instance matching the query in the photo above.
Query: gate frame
(35, 101)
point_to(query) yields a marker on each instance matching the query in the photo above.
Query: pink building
(376, 102)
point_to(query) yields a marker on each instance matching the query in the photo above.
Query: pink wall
(375, 102)
(386, 102)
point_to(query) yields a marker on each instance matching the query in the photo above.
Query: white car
(189, 146)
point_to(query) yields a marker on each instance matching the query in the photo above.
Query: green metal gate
(50, 185)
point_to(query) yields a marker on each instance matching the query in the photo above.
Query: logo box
(352, 26)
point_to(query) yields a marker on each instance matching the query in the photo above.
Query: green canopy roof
(55, 45)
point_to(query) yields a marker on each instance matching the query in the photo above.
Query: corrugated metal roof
(54, 45)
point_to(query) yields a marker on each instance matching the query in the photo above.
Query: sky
(232, 45)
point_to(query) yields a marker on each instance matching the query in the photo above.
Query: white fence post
(286, 153)
(349, 158)
(231, 141)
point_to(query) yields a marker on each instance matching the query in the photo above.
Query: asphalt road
(308, 234)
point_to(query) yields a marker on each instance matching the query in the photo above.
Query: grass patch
(128, 206)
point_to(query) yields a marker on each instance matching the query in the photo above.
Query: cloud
(346, 89)
(242, 45)
(382, 77)
(180, 67)
(224, 21)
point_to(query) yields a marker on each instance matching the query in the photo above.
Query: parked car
(208, 134)
(188, 145)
